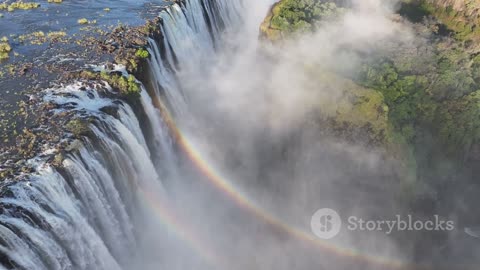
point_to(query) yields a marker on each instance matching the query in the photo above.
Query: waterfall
(87, 213)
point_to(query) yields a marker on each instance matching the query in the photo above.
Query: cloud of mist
(252, 106)
(281, 90)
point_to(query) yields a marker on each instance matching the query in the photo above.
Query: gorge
(235, 122)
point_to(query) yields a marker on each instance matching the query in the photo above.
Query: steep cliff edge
(430, 87)
(359, 113)
(462, 17)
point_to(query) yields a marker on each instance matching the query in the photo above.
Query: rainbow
(223, 185)
(174, 223)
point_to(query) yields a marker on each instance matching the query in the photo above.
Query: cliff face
(267, 30)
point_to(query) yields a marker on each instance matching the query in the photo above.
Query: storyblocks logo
(326, 224)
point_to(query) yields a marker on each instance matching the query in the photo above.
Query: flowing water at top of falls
(92, 214)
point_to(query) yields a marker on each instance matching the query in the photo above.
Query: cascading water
(89, 214)
(223, 157)
(84, 216)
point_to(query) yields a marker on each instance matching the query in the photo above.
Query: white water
(90, 214)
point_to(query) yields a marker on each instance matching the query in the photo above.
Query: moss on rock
(128, 87)
(5, 49)
(78, 127)
(142, 53)
(18, 5)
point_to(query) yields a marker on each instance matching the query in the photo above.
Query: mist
(257, 112)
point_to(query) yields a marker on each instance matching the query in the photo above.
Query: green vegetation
(301, 15)
(78, 127)
(354, 112)
(39, 37)
(5, 49)
(128, 87)
(424, 97)
(460, 123)
(420, 101)
(142, 53)
(294, 16)
(18, 5)
(85, 21)
(82, 21)
(465, 22)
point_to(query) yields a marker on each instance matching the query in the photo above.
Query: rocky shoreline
(29, 126)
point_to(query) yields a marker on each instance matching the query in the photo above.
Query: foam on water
(90, 214)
